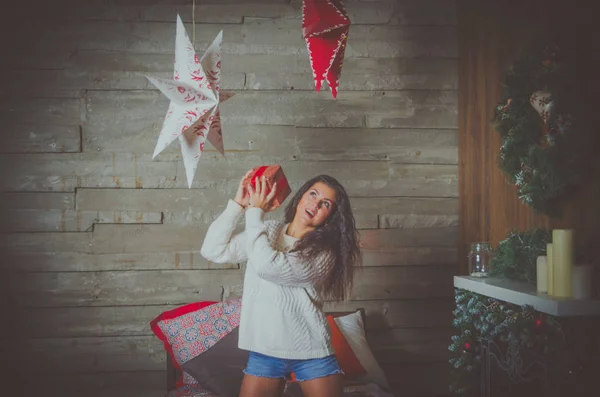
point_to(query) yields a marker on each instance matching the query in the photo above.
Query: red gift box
(273, 173)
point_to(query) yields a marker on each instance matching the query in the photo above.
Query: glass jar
(480, 255)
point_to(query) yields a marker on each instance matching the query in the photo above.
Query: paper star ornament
(325, 26)
(193, 115)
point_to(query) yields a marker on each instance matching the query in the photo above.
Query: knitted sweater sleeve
(283, 268)
(220, 244)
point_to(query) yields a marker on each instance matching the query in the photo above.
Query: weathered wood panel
(167, 246)
(403, 313)
(65, 172)
(110, 238)
(410, 282)
(184, 206)
(408, 212)
(414, 146)
(416, 237)
(86, 262)
(81, 355)
(92, 61)
(255, 36)
(121, 69)
(113, 321)
(432, 12)
(410, 256)
(442, 117)
(410, 345)
(263, 80)
(39, 201)
(182, 286)
(71, 221)
(70, 83)
(408, 109)
(60, 243)
(45, 212)
(46, 111)
(27, 261)
(43, 138)
(123, 239)
(146, 353)
(123, 287)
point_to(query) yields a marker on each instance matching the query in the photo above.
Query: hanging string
(194, 23)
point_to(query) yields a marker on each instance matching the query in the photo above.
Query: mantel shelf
(521, 293)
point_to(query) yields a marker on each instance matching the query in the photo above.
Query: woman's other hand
(259, 197)
(242, 196)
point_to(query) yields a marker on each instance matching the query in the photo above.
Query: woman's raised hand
(242, 197)
(259, 197)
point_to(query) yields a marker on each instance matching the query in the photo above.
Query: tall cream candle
(550, 269)
(562, 261)
(542, 274)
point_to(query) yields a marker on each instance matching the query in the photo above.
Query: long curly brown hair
(337, 237)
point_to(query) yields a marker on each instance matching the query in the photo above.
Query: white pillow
(353, 328)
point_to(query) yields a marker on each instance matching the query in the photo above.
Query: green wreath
(537, 120)
(516, 255)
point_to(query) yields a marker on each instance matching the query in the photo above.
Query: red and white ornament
(193, 115)
(325, 26)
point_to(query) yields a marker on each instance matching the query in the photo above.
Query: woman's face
(316, 205)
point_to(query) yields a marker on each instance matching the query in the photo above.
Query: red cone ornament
(325, 26)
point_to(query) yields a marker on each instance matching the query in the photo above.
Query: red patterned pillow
(174, 314)
(190, 330)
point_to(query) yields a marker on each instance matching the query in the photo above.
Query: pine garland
(540, 159)
(516, 256)
(478, 317)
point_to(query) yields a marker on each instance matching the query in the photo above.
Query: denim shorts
(271, 367)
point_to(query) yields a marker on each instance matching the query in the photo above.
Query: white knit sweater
(282, 314)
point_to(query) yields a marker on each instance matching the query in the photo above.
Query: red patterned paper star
(195, 93)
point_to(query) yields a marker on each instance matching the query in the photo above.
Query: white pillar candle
(562, 261)
(581, 277)
(542, 274)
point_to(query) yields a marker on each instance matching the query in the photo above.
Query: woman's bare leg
(328, 386)
(254, 386)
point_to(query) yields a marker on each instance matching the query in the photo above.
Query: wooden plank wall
(490, 35)
(101, 238)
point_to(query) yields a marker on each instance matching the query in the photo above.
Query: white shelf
(521, 293)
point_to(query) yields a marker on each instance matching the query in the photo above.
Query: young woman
(292, 268)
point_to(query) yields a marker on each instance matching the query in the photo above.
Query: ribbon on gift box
(282, 182)
(283, 187)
